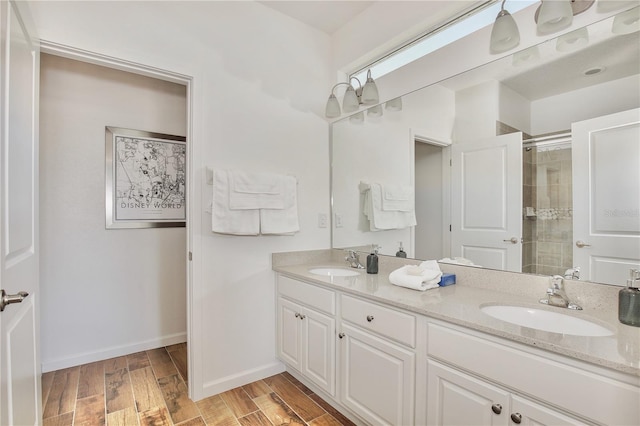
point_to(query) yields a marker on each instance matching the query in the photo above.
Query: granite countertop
(460, 304)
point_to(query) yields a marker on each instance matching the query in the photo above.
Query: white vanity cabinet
(377, 375)
(457, 398)
(498, 383)
(306, 331)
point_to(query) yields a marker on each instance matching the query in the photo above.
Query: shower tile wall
(548, 236)
(529, 225)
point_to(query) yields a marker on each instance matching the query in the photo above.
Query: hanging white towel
(398, 198)
(250, 191)
(424, 277)
(380, 219)
(227, 221)
(285, 221)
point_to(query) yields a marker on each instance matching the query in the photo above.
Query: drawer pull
(369, 318)
(341, 335)
(516, 418)
(496, 408)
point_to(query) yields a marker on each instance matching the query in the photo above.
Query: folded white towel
(380, 219)
(398, 198)
(251, 191)
(227, 221)
(429, 278)
(285, 221)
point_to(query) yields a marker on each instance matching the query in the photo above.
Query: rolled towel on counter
(417, 277)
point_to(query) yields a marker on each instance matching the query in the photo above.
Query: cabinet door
(289, 332)
(377, 378)
(318, 349)
(455, 398)
(529, 413)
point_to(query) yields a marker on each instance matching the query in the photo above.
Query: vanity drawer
(387, 322)
(566, 386)
(315, 297)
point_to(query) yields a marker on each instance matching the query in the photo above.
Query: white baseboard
(235, 380)
(112, 352)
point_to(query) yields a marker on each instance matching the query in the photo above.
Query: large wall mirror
(530, 163)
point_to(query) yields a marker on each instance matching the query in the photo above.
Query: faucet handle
(557, 282)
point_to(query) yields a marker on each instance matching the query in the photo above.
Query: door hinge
(450, 162)
(449, 228)
(190, 256)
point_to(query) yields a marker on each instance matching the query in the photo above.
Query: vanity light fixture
(353, 98)
(504, 34)
(370, 91)
(350, 102)
(551, 16)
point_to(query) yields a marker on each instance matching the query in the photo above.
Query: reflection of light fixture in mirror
(627, 22)
(573, 40)
(370, 91)
(504, 34)
(609, 5)
(350, 102)
(394, 104)
(526, 56)
(375, 111)
(357, 118)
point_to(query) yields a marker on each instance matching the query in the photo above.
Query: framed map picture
(145, 179)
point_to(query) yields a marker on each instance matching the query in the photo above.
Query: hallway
(149, 388)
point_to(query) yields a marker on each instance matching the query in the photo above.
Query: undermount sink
(540, 319)
(334, 272)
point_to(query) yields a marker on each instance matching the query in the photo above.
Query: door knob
(7, 299)
(581, 244)
(512, 240)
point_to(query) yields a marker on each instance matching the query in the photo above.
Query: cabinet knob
(341, 335)
(302, 316)
(369, 318)
(496, 408)
(297, 315)
(516, 418)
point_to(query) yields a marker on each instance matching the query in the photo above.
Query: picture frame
(145, 179)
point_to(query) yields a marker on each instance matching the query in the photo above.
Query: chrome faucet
(354, 259)
(556, 296)
(572, 273)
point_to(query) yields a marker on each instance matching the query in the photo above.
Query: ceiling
(326, 16)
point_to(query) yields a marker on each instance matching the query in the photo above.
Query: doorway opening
(547, 220)
(105, 293)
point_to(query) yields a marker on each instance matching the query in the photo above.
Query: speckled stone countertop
(475, 287)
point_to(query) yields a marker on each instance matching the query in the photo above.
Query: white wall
(556, 113)
(104, 292)
(259, 83)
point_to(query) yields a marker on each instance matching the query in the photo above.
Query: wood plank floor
(150, 388)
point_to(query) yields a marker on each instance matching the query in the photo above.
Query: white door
(20, 400)
(606, 196)
(377, 380)
(486, 201)
(319, 349)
